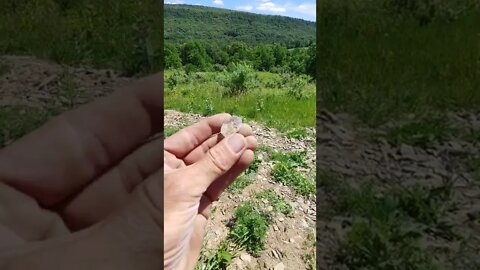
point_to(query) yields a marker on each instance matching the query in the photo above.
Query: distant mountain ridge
(190, 22)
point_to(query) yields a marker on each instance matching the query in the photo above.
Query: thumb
(219, 159)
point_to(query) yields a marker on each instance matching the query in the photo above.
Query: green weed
(379, 246)
(389, 224)
(240, 183)
(310, 247)
(240, 77)
(424, 206)
(170, 130)
(218, 259)
(293, 159)
(297, 133)
(285, 174)
(421, 133)
(17, 121)
(265, 149)
(253, 167)
(279, 204)
(249, 229)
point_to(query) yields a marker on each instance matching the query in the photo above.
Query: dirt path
(287, 235)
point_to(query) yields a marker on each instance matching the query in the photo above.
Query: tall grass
(380, 59)
(125, 35)
(204, 93)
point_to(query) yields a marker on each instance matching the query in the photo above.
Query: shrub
(250, 228)
(240, 77)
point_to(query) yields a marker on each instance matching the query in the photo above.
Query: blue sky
(304, 9)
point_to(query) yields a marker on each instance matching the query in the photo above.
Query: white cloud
(218, 2)
(307, 9)
(246, 8)
(173, 2)
(270, 6)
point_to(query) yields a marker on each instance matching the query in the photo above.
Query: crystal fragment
(231, 126)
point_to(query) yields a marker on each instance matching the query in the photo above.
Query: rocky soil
(29, 81)
(287, 236)
(345, 148)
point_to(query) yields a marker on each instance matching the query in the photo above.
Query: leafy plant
(219, 259)
(240, 183)
(170, 130)
(278, 203)
(17, 121)
(253, 167)
(292, 159)
(250, 228)
(285, 174)
(421, 133)
(209, 109)
(178, 77)
(379, 246)
(297, 133)
(296, 86)
(240, 77)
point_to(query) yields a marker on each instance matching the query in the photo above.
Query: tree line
(202, 56)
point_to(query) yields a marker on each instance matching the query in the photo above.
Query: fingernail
(236, 143)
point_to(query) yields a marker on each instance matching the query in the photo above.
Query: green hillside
(187, 22)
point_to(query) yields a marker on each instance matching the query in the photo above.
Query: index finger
(187, 139)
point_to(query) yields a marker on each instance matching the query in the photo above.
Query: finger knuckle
(219, 158)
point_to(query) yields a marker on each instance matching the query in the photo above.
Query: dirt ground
(345, 147)
(287, 235)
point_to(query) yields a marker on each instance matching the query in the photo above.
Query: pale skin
(84, 191)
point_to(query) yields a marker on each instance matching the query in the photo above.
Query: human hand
(84, 191)
(199, 164)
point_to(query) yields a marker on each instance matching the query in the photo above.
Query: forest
(186, 22)
(203, 56)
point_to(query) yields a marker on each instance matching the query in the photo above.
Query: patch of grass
(389, 224)
(269, 106)
(285, 174)
(68, 91)
(266, 149)
(421, 205)
(253, 167)
(421, 133)
(17, 121)
(122, 35)
(249, 229)
(293, 159)
(379, 246)
(279, 204)
(297, 133)
(310, 246)
(380, 63)
(240, 183)
(170, 130)
(218, 259)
